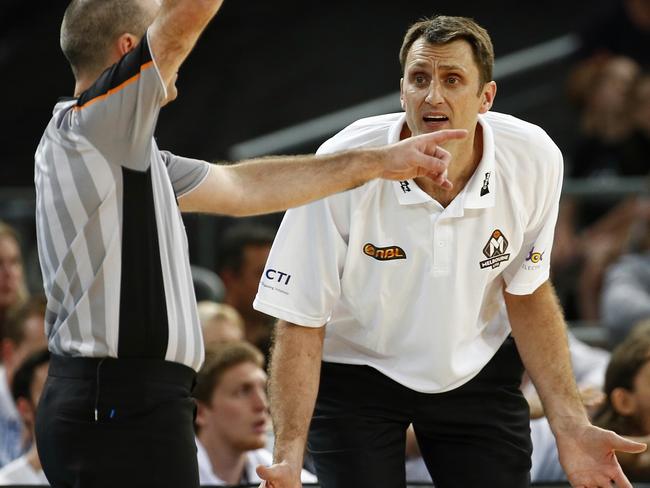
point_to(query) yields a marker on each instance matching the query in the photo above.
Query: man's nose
(260, 402)
(434, 96)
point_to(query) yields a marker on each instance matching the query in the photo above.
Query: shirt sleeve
(532, 265)
(301, 282)
(185, 174)
(118, 113)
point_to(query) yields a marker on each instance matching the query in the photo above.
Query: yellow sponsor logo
(384, 253)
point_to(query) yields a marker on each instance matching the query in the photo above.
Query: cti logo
(404, 185)
(279, 276)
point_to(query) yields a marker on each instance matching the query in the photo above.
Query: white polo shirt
(406, 286)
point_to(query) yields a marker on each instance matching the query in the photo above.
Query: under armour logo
(405, 186)
(485, 189)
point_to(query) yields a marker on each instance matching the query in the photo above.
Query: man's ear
(487, 97)
(623, 401)
(401, 93)
(201, 414)
(126, 43)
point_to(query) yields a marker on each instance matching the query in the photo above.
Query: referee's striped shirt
(111, 242)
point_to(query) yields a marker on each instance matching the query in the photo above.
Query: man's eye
(420, 79)
(452, 80)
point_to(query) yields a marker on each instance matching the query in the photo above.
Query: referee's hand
(281, 475)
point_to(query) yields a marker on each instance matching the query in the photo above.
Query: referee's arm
(586, 452)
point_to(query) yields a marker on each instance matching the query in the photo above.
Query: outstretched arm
(280, 182)
(294, 379)
(587, 453)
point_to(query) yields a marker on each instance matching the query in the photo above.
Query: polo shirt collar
(481, 187)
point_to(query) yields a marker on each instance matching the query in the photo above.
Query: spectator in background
(232, 419)
(626, 288)
(220, 323)
(26, 391)
(23, 336)
(13, 290)
(242, 256)
(627, 406)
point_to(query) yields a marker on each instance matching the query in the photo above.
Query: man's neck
(227, 462)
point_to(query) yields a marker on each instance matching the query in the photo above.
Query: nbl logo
(495, 250)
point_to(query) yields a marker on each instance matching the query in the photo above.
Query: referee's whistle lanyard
(99, 367)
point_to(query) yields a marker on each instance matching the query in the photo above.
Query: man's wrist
(370, 163)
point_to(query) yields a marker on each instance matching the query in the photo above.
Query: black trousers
(117, 423)
(475, 436)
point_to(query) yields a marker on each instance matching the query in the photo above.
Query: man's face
(441, 88)
(238, 411)
(11, 272)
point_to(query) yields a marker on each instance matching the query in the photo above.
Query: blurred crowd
(601, 268)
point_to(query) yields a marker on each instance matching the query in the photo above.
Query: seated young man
(232, 420)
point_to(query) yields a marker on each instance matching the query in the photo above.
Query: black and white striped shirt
(111, 242)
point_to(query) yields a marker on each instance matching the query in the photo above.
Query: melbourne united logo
(495, 250)
(384, 253)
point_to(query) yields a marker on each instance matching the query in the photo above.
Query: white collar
(409, 193)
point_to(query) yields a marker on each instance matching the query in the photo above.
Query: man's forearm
(540, 333)
(281, 182)
(295, 374)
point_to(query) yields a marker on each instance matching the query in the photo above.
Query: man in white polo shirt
(413, 295)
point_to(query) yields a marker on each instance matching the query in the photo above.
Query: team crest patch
(384, 253)
(495, 250)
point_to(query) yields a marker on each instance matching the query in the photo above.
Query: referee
(121, 315)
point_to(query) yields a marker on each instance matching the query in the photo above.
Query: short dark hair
(21, 386)
(219, 358)
(90, 26)
(442, 29)
(14, 328)
(236, 238)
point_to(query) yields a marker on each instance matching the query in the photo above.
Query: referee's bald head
(91, 27)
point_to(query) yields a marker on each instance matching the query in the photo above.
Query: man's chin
(250, 444)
